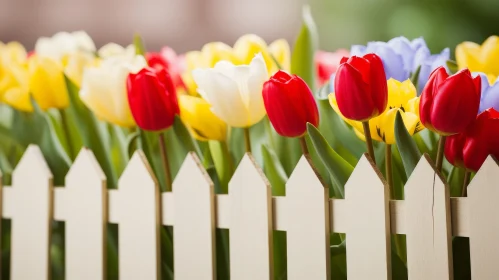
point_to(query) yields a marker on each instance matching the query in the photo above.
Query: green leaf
(223, 163)
(274, 171)
(185, 138)
(455, 181)
(132, 142)
(302, 58)
(338, 261)
(345, 135)
(407, 146)
(93, 134)
(452, 66)
(138, 43)
(415, 77)
(338, 168)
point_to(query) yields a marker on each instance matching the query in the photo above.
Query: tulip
(104, 90)
(401, 58)
(14, 75)
(168, 60)
(470, 148)
(112, 49)
(74, 51)
(360, 85)
(195, 112)
(327, 63)
(402, 97)
(290, 104)
(152, 98)
(479, 58)
(450, 103)
(490, 94)
(234, 92)
(243, 52)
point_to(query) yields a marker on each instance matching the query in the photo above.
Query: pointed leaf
(274, 171)
(338, 168)
(185, 138)
(407, 146)
(138, 43)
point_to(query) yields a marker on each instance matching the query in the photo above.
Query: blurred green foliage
(442, 23)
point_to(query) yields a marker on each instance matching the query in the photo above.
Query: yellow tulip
(245, 48)
(401, 98)
(74, 65)
(13, 74)
(195, 112)
(479, 58)
(46, 83)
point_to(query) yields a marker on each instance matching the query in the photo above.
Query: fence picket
(427, 216)
(82, 204)
(250, 233)
(483, 193)
(31, 214)
(194, 230)
(368, 230)
(135, 207)
(307, 202)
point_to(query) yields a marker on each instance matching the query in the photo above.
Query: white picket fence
(428, 217)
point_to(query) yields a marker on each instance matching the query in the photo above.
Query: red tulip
(152, 98)
(449, 104)
(168, 60)
(327, 63)
(470, 148)
(360, 87)
(290, 104)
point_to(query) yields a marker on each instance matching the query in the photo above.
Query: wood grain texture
(427, 215)
(135, 207)
(307, 205)
(82, 204)
(250, 233)
(368, 229)
(483, 196)
(31, 213)
(194, 230)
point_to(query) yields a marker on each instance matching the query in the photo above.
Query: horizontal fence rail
(428, 217)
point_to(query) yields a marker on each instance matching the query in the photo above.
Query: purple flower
(402, 57)
(490, 94)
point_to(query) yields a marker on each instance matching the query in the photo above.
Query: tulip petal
(468, 56)
(427, 96)
(377, 83)
(258, 76)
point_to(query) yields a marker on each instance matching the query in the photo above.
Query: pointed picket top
(33, 163)
(138, 169)
(304, 172)
(194, 229)
(85, 168)
(308, 232)
(192, 175)
(250, 219)
(427, 212)
(367, 197)
(483, 193)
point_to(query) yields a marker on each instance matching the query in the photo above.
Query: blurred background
(188, 24)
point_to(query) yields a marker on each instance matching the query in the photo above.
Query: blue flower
(402, 57)
(490, 93)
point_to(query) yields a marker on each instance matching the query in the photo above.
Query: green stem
(466, 181)
(67, 133)
(369, 140)
(440, 152)
(228, 157)
(304, 147)
(247, 140)
(166, 163)
(388, 170)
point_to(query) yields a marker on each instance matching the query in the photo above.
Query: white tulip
(64, 43)
(104, 88)
(112, 49)
(234, 91)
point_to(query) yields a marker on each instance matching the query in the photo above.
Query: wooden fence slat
(85, 206)
(31, 202)
(427, 212)
(194, 230)
(251, 223)
(137, 202)
(368, 230)
(307, 202)
(483, 196)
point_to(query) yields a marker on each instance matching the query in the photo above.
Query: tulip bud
(152, 98)
(168, 60)
(360, 87)
(327, 63)
(470, 148)
(290, 104)
(449, 104)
